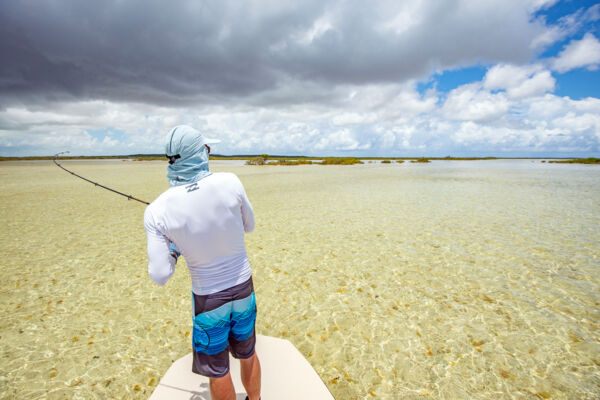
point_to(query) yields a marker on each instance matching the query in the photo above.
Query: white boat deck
(286, 374)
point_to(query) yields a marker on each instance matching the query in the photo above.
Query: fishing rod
(129, 197)
(174, 251)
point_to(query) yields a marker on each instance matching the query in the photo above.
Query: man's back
(206, 220)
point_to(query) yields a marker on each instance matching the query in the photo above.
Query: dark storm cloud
(447, 34)
(198, 51)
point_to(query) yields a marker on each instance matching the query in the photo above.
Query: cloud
(64, 126)
(579, 54)
(535, 5)
(353, 118)
(472, 119)
(310, 77)
(471, 103)
(342, 140)
(566, 26)
(519, 81)
(579, 124)
(194, 53)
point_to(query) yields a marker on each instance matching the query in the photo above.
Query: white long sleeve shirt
(206, 220)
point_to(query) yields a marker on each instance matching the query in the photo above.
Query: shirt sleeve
(247, 212)
(161, 265)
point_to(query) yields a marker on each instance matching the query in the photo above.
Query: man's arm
(247, 212)
(161, 265)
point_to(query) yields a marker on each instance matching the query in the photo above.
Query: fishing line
(129, 197)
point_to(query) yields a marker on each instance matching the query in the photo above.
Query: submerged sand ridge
(446, 280)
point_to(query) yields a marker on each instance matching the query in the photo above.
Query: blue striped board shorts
(223, 323)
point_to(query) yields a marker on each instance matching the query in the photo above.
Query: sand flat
(444, 280)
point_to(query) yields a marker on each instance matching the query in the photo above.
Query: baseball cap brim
(211, 140)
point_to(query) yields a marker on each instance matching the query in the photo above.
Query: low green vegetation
(447, 158)
(283, 161)
(340, 161)
(464, 158)
(260, 160)
(590, 160)
(264, 160)
(150, 158)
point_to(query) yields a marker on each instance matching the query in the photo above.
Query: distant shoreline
(149, 157)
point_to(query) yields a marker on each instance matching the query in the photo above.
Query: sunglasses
(172, 159)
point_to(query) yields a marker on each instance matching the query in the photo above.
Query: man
(204, 217)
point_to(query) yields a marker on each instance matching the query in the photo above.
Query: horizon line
(450, 157)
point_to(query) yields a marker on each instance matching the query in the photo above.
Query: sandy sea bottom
(449, 280)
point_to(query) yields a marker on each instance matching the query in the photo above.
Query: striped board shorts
(223, 323)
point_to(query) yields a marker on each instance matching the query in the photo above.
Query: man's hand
(174, 251)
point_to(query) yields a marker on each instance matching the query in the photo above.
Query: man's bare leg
(251, 376)
(222, 388)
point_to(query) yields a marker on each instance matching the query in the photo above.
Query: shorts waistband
(209, 302)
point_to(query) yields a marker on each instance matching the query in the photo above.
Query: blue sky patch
(451, 79)
(578, 84)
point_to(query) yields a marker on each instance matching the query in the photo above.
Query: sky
(506, 78)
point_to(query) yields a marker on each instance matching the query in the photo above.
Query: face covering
(192, 163)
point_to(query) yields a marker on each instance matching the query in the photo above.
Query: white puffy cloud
(69, 126)
(519, 81)
(553, 122)
(353, 118)
(473, 119)
(538, 84)
(579, 54)
(472, 103)
(342, 140)
(579, 123)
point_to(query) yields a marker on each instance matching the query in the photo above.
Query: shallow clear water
(445, 280)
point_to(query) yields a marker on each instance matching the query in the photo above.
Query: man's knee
(221, 388)
(220, 380)
(250, 360)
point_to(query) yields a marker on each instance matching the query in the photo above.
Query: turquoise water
(455, 279)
